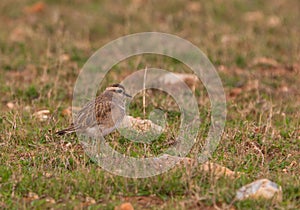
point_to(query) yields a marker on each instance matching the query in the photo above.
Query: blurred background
(40, 39)
(254, 45)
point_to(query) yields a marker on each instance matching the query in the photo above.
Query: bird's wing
(94, 113)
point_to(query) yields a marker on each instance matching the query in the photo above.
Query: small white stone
(42, 115)
(262, 188)
(10, 105)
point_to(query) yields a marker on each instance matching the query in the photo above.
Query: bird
(103, 114)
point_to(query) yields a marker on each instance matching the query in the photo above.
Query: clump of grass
(31, 92)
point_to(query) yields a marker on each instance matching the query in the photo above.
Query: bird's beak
(129, 96)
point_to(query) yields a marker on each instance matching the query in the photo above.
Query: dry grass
(255, 48)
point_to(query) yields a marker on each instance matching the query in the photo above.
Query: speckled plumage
(100, 115)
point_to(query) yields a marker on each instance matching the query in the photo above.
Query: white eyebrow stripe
(112, 88)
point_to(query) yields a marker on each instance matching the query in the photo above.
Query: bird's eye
(119, 91)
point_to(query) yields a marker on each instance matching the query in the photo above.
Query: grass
(41, 56)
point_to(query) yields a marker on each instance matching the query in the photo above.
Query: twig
(144, 93)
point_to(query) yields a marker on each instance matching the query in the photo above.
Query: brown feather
(71, 129)
(98, 112)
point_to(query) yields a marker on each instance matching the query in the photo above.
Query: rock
(67, 112)
(10, 105)
(140, 125)
(64, 57)
(31, 197)
(253, 16)
(263, 61)
(173, 79)
(42, 115)
(228, 39)
(35, 8)
(47, 175)
(50, 200)
(208, 167)
(193, 6)
(273, 21)
(262, 188)
(139, 130)
(125, 206)
(21, 33)
(90, 200)
(234, 92)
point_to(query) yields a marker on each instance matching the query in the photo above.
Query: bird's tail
(68, 130)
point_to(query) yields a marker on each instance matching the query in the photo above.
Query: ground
(254, 46)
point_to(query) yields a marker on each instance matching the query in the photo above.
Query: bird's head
(118, 90)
